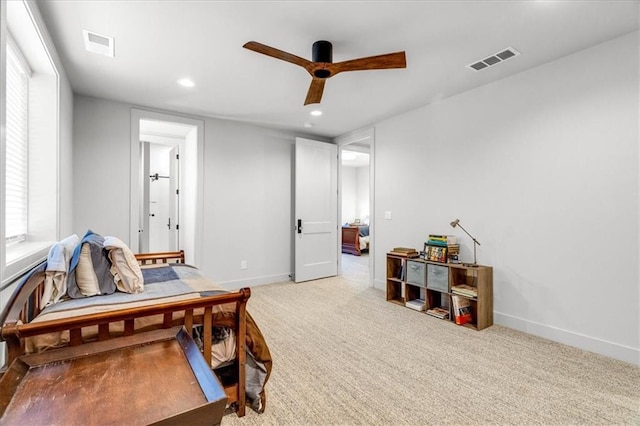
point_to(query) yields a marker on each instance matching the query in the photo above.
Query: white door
(316, 210)
(174, 199)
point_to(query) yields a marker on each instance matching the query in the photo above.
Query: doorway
(160, 191)
(356, 205)
(166, 183)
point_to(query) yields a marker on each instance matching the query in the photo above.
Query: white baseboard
(380, 285)
(580, 341)
(255, 281)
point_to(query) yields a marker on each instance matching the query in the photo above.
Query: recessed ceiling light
(316, 113)
(348, 155)
(307, 124)
(185, 82)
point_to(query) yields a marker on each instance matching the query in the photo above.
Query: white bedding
(364, 242)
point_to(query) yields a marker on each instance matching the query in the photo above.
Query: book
(401, 272)
(417, 304)
(447, 239)
(403, 254)
(404, 250)
(465, 290)
(435, 253)
(438, 312)
(461, 310)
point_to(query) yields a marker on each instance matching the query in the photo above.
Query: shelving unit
(395, 287)
(415, 278)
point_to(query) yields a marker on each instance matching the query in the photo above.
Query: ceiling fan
(322, 67)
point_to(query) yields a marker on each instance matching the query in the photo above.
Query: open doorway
(166, 183)
(356, 206)
(160, 144)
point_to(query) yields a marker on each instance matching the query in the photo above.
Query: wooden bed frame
(351, 240)
(25, 304)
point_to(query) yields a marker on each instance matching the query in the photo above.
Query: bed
(355, 239)
(175, 294)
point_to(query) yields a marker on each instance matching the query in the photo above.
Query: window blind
(16, 168)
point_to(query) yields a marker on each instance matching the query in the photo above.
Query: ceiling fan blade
(314, 95)
(276, 53)
(379, 62)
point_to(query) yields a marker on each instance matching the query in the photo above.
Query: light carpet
(343, 355)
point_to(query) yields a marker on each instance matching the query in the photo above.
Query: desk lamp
(475, 242)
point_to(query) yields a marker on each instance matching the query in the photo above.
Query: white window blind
(17, 149)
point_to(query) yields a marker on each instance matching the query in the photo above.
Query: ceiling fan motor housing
(322, 51)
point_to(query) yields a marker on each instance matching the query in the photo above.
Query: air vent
(494, 59)
(98, 43)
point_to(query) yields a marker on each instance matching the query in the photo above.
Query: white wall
(542, 168)
(247, 190)
(349, 195)
(355, 194)
(248, 203)
(362, 195)
(101, 166)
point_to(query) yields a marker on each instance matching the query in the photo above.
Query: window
(17, 165)
(29, 146)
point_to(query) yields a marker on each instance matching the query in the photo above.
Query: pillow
(58, 260)
(90, 269)
(126, 271)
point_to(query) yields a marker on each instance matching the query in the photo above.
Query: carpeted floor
(342, 355)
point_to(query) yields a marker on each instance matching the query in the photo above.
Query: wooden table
(157, 377)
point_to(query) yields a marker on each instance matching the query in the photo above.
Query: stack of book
(442, 248)
(442, 240)
(438, 312)
(405, 252)
(417, 304)
(465, 290)
(462, 313)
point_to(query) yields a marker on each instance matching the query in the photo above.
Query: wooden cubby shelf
(417, 280)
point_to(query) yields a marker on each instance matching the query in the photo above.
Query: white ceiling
(158, 42)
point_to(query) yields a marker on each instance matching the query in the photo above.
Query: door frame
(193, 252)
(359, 136)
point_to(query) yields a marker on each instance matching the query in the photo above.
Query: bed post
(241, 330)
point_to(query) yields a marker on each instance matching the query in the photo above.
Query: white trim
(19, 55)
(134, 199)
(359, 136)
(3, 115)
(580, 341)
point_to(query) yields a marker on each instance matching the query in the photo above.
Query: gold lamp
(475, 242)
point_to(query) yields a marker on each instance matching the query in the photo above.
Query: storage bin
(438, 277)
(416, 273)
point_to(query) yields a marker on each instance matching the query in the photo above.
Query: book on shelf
(439, 312)
(465, 290)
(404, 252)
(461, 309)
(417, 304)
(403, 249)
(435, 253)
(401, 272)
(442, 240)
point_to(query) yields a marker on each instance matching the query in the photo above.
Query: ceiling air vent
(98, 43)
(494, 59)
